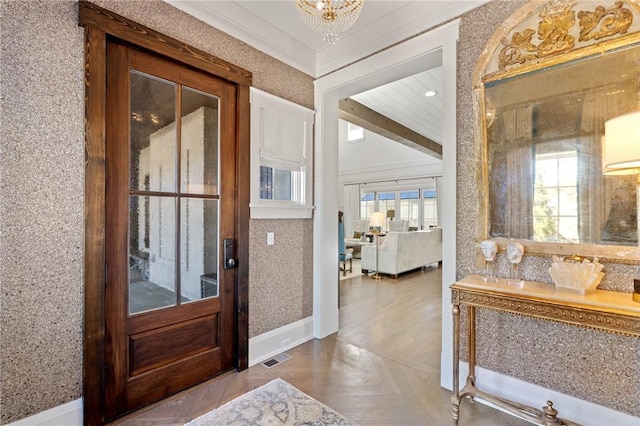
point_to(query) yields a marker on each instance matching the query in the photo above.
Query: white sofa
(403, 251)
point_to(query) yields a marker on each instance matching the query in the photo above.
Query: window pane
(199, 143)
(153, 133)
(354, 132)
(367, 205)
(545, 228)
(546, 172)
(568, 201)
(152, 253)
(568, 170)
(555, 208)
(429, 208)
(282, 185)
(386, 202)
(198, 248)
(568, 229)
(409, 206)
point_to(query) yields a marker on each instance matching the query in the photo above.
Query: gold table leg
(455, 398)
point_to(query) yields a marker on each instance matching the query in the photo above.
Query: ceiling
(274, 27)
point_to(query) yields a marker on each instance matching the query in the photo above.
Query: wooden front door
(170, 209)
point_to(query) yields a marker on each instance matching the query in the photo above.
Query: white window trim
(277, 209)
(355, 140)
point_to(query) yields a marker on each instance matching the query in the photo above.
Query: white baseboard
(261, 348)
(69, 414)
(569, 407)
(276, 341)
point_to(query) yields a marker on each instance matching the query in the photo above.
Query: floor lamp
(376, 222)
(621, 156)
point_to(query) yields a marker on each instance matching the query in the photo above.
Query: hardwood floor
(381, 368)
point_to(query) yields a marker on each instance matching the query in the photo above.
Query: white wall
(377, 158)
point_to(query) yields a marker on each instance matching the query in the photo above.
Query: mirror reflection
(544, 133)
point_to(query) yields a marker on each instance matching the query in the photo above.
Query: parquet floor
(381, 368)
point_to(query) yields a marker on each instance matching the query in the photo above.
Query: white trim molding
(281, 339)
(261, 348)
(569, 407)
(429, 50)
(69, 414)
(281, 138)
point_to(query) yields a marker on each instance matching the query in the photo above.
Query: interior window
(367, 205)
(410, 207)
(386, 201)
(354, 133)
(429, 208)
(281, 170)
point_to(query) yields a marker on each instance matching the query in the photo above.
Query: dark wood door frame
(99, 24)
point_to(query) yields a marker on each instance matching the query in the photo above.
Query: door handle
(229, 254)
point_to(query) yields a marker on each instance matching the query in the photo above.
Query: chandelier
(329, 17)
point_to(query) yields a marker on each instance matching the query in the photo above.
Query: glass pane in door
(198, 249)
(152, 253)
(153, 133)
(199, 143)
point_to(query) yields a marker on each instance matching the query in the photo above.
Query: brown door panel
(165, 317)
(172, 378)
(170, 202)
(159, 347)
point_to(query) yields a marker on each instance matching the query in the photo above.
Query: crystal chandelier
(329, 17)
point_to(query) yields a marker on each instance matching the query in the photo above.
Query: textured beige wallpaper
(41, 195)
(596, 366)
(279, 275)
(41, 219)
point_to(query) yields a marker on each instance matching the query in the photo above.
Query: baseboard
(69, 414)
(569, 407)
(261, 348)
(281, 339)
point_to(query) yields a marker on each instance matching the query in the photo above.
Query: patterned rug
(276, 403)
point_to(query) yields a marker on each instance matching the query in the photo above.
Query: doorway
(420, 53)
(170, 151)
(164, 306)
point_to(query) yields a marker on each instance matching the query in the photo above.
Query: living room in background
(417, 205)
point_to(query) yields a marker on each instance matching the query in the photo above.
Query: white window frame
(352, 130)
(265, 105)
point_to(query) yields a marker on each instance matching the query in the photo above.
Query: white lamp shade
(621, 144)
(377, 219)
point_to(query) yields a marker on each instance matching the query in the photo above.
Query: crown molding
(402, 24)
(405, 22)
(227, 16)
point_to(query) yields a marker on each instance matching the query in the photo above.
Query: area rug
(276, 403)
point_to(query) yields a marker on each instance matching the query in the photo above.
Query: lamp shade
(621, 144)
(377, 219)
(391, 214)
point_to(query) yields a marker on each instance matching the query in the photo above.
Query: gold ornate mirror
(543, 90)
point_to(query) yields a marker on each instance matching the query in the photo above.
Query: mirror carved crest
(545, 85)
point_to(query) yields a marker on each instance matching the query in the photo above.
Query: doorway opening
(432, 49)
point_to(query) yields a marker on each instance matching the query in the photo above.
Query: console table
(603, 310)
